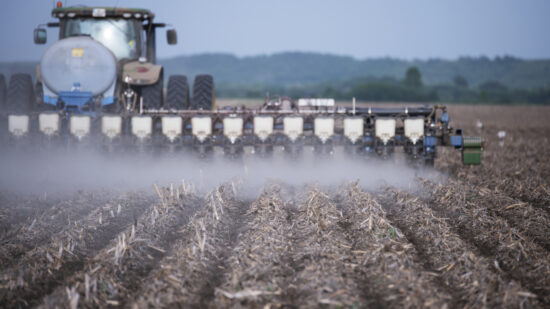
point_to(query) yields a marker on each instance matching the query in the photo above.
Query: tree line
(467, 79)
(410, 88)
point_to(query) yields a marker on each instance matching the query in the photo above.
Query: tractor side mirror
(172, 37)
(40, 36)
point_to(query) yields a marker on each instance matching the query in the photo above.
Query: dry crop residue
(479, 238)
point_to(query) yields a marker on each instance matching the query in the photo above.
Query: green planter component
(471, 156)
(471, 150)
(472, 142)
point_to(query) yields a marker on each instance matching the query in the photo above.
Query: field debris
(474, 238)
(459, 266)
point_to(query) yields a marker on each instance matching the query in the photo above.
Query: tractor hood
(78, 64)
(141, 73)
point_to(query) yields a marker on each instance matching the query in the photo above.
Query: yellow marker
(78, 52)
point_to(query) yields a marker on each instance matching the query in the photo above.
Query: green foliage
(295, 68)
(380, 91)
(392, 233)
(500, 80)
(453, 93)
(460, 81)
(392, 91)
(413, 78)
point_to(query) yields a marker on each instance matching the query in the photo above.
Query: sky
(406, 29)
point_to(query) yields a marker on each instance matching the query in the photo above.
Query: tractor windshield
(119, 35)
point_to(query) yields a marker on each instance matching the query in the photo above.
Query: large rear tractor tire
(177, 94)
(3, 90)
(20, 98)
(152, 95)
(204, 95)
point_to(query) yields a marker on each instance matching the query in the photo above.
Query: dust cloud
(65, 172)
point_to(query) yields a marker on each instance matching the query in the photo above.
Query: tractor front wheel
(152, 94)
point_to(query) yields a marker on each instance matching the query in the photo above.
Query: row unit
(202, 127)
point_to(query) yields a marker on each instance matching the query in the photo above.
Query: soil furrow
(189, 275)
(43, 268)
(324, 250)
(473, 278)
(284, 261)
(39, 229)
(524, 186)
(16, 210)
(288, 258)
(532, 222)
(519, 257)
(309, 252)
(388, 263)
(111, 276)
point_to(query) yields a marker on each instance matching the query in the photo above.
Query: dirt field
(478, 238)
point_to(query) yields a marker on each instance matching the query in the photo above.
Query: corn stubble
(476, 239)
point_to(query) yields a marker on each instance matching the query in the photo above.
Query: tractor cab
(128, 33)
(121, 37)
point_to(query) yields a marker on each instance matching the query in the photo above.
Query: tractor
(104, 65)
(99, 85)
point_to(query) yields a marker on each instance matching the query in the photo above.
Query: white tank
(111, 125)
(353, 128)
(48, 123)
(384, 129)
(324, 128)
(80, 125)
(233, 128)
(293, 127)
(18, 125)
(201, 127)
(263, 127)
(142, 126)
(78, 60)
(414, 129)
(172, 126)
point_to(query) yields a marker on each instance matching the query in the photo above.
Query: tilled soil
(39, 270)
(477, 238)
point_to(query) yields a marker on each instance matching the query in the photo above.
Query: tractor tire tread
(20, 95)
(153, 94)
(203, 93)
(177, 93)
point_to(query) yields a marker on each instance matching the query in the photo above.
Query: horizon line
(386, 57)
